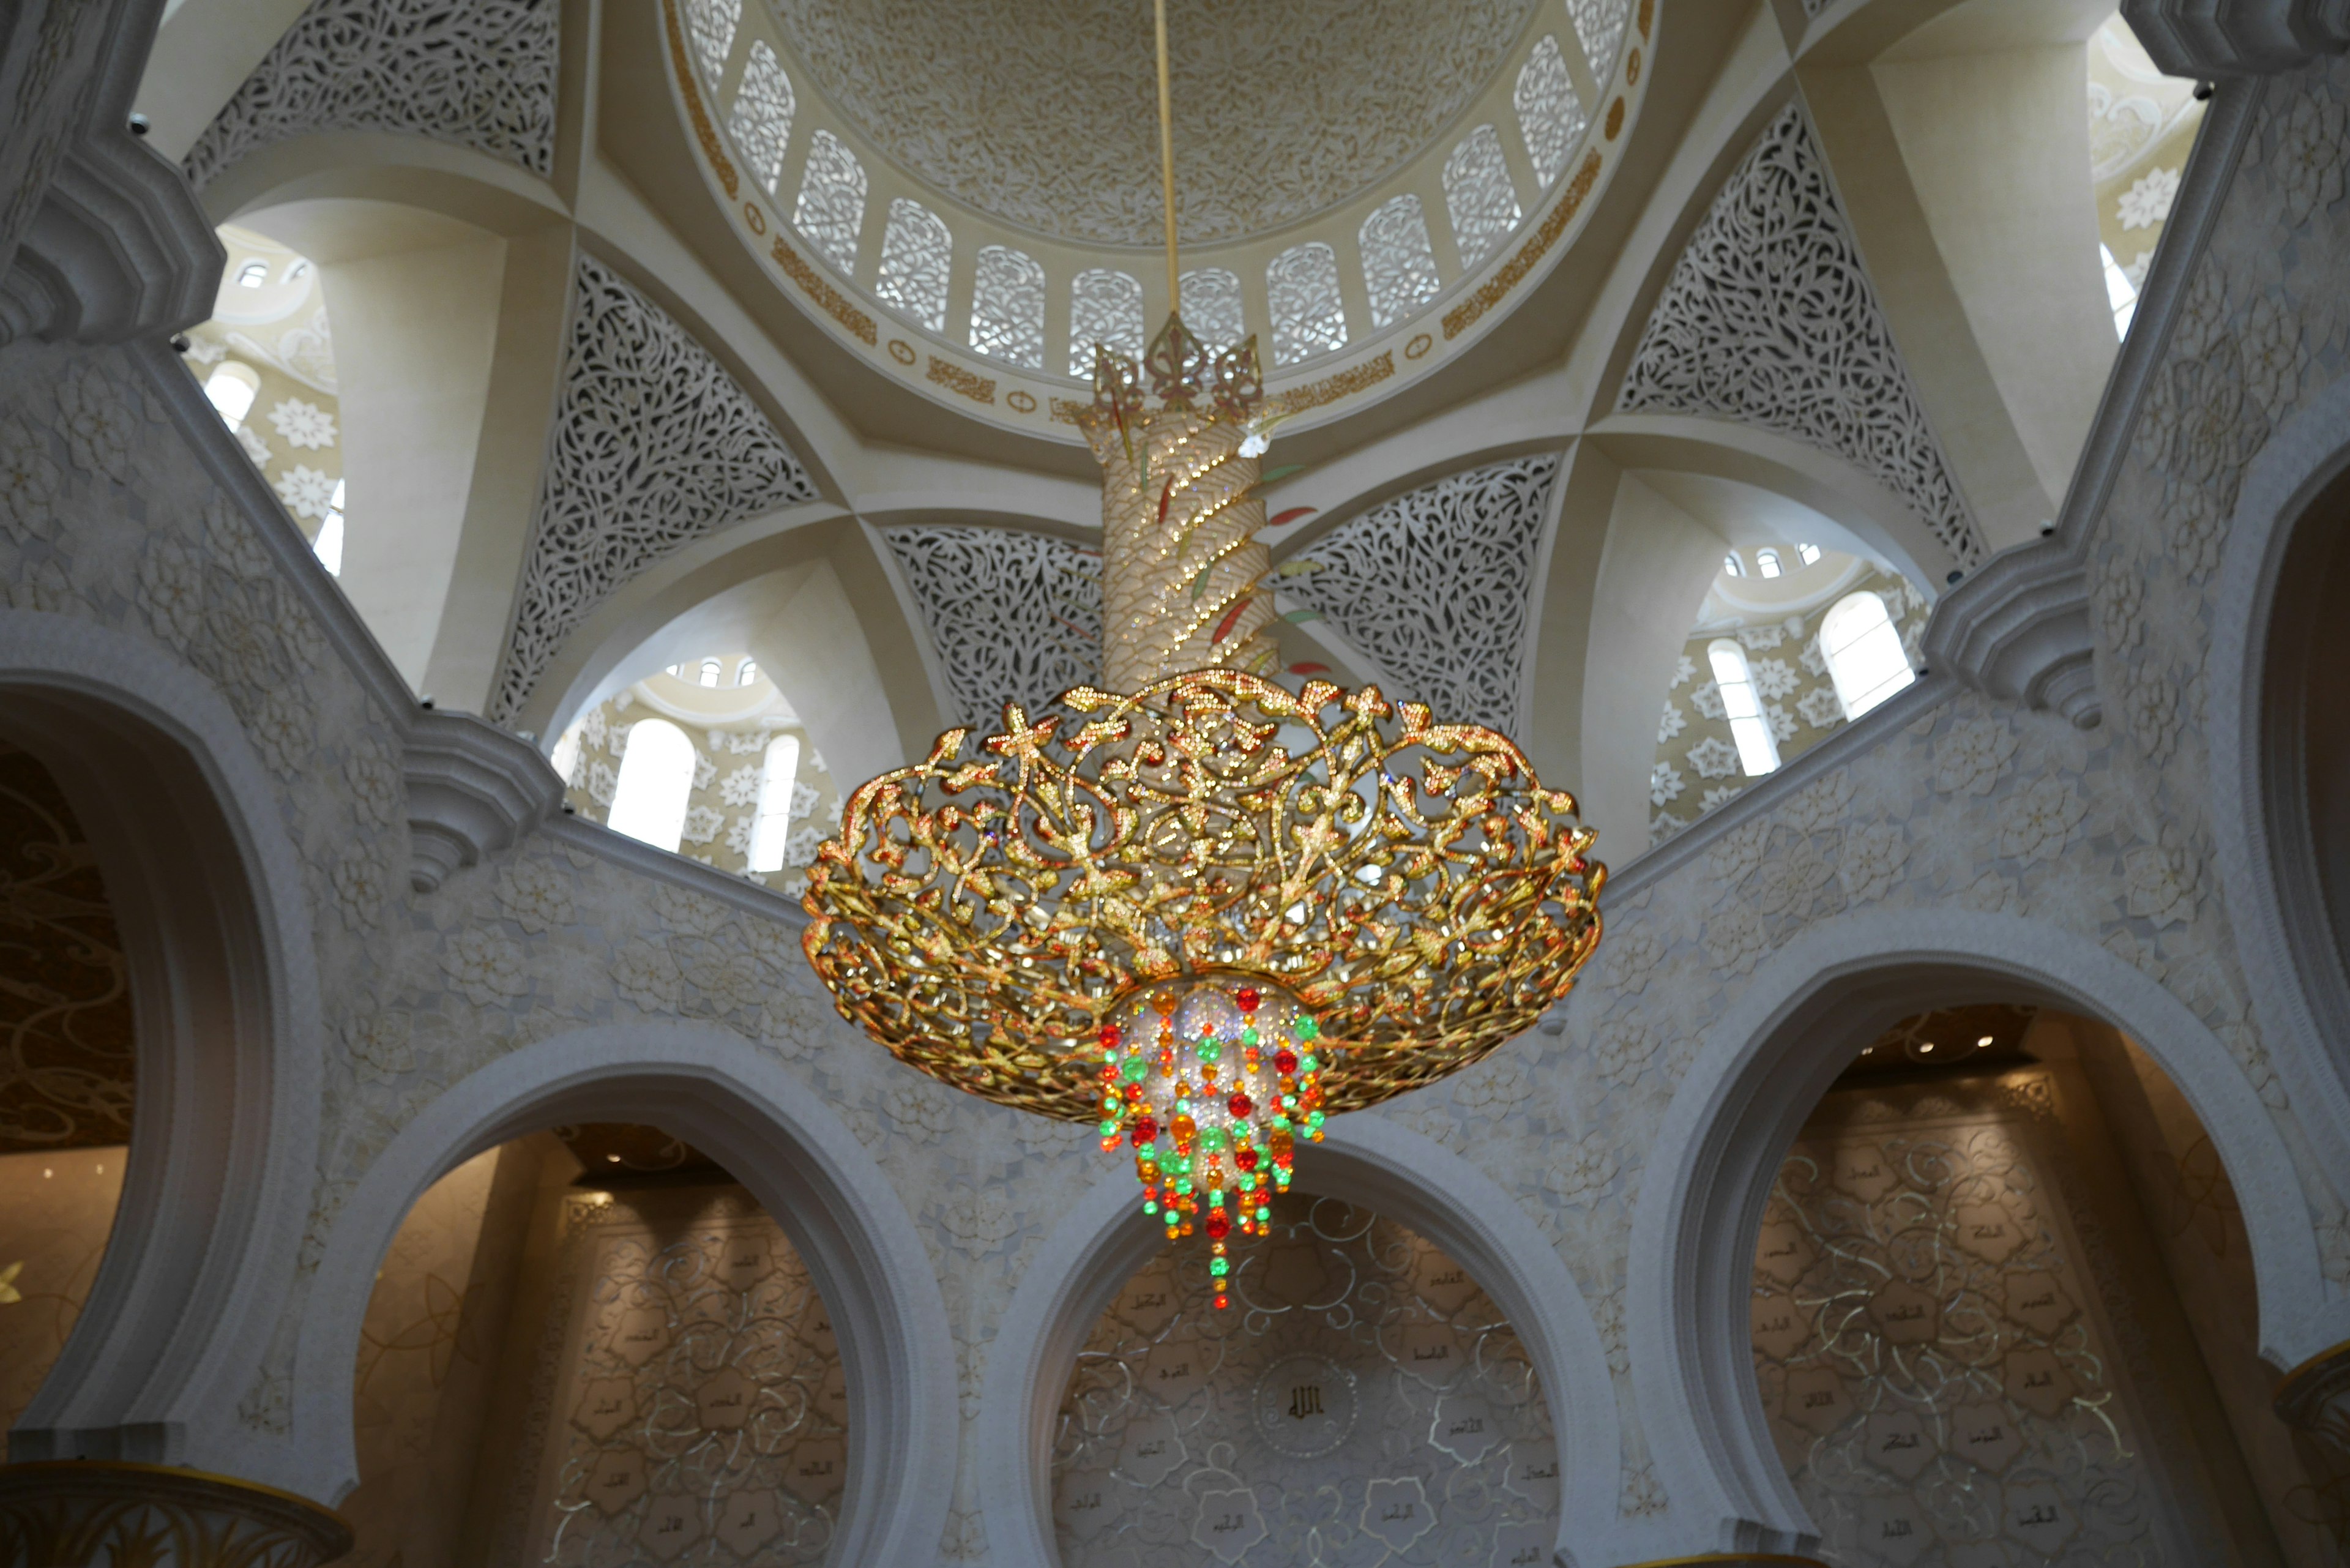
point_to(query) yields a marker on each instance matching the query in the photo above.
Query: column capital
(2210, 38)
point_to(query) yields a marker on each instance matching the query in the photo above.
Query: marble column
(76, 1513)
(2313, 1400)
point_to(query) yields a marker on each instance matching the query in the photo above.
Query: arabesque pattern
(1013, 616)
(1412, 883)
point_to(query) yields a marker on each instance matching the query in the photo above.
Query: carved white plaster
(1436, 586)
(478, 74)
(1013, 617)
(472, 790)
(653, 445)
(2238, 37)
(1769, 318)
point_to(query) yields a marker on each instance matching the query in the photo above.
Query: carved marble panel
(1399, 264)
(1550, 116)
(1436, 586)
(479, 74)
(652, 445)
(1478, 192)
(762, 118)
(1361, 1401)
(1302, 289)
(1013, 617)
(1769, 319)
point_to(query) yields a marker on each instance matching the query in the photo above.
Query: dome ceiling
(1045, 116)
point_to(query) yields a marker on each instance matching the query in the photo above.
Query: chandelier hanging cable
(1206, 907)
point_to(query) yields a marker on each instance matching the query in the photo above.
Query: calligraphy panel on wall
(1361, 1401)
(691, 1406)
(1938, 1351)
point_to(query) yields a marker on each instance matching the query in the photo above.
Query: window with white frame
(711, 668)
(1808, 553)
(656, 781)
(762, 122)
(1211, 308)
(1863, 652)
(748, 673)
(1301, 289)
(253, 275)
(1105, 307)
(917, 250)
(1550, 116)
(329, 546)
(1732, 567)
(712, 24)
(1007, 307)
(1398, 263)
(2121, 293)
(1758, 749)
(831, 210)
(772, 830)
(231, 388)
(1483, 201)
(1766, 562)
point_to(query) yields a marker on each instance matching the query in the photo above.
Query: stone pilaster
(2313, 1400)
(74, 1513)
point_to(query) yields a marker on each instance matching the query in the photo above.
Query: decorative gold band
(2297, 1388)
(84, 1514)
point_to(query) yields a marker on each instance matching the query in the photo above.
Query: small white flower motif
(2310, 151)
(690, 914)
(2121, 602)
(2040, 820)
(204, 350)
(919, 1114)
(360, 887)
(801, 847)
(705, 772)
(43, 587)
(977, 1220)
(2156, 890)
(738, 836)
(728, 977)
(1969, 759)
(1644, 1495)
(624, 701)
(307, 492)
(1870, 860)
(1814, 663)
(703, 824)
(97, 424)
(1623, 1051)
(1719, 794)
(602, 783)
(1255, 444)
(1820, 707)
(486, 965)
(593, 729)
(1673, 723)
(2148, 201)
(2136, 271)
(1760, 638)
(1629, 957)
(2152, 704)
(1582, 1178)
(741, 785)
(1774, 678)
(286, 733)
(620, 733)
(1735, 855)
(1707, 701)
(1820, 805)
(235, 543)
(1684, 670)
(257, 449)
(1663, 825)
(171, 589)
(306, 425)
(1492, 1090)
(1664, 785)
(29, 481)
(1781, 723)
(647, 975)
(1713, 758)
(534, 895)
(2243, 1042)
(379, 1045)
(375, 784)
(804, 798)
(1735, 937)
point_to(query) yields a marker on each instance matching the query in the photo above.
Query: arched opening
(591, 1344)
(1362, 1395)
(1997, 1308)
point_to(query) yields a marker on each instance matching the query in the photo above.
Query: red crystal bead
(1285, 1061)
(1245, 1157)
(1134, 1093)
(1240, 1105)
(1145, 1130)
(1247, 997)
(1218, 1226)
(1110, 1035)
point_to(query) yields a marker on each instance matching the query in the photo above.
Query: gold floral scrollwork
(2313, 1400)
(81, 1515)
(1411, 882)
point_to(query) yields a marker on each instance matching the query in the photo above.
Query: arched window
(831, 210)
(1758, 751)
(231, 388)
(253, 275)
(748, 673)
(1478, 193)
(1766, 561)
(1211, 308)
(566, 759)
(1863, 652)
(1600, 24)
(656, 781)
(1398, 264)
(1105, 307)
(712, 24)
(773, 828)
(1301, 290)
(1808, 553)
(1732, 567)
(916, 252)
(710, 670)
(2120, 292)
(329, 546)
(1007, 307)
(762, 122)
(297, 270)
(1550, 116)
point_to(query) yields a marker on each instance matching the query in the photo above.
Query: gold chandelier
(1205, 907)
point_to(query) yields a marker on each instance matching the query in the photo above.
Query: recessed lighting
(1984, 1041)
(613, 1158)
(1924, 1047)
(1866, 1049)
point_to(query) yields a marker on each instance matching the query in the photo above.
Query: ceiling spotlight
(613, 1158)
(1924, 1047)
(1983, 1041)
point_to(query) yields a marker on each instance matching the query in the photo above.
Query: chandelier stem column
(1167, 160)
